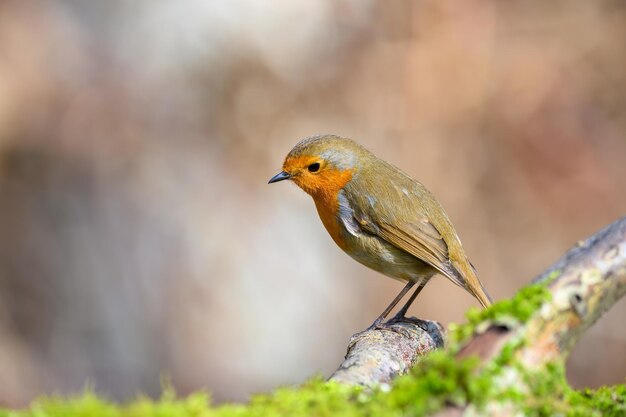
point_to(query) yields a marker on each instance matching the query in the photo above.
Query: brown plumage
(380, 216)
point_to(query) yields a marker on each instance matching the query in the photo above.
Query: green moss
(417, 394)
(325, 398)
(551, 276)
(439, 380)
(508, 312)
(551, 395)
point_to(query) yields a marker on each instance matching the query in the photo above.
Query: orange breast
(328, 215)
(327, 204)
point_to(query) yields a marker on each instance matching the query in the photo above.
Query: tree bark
(379, 355)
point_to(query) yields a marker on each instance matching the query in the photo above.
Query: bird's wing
(419, 238)
(403, 213)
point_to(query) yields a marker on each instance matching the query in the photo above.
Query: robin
(380, 216)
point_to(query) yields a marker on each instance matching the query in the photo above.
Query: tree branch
(379, 355)
(584, 283)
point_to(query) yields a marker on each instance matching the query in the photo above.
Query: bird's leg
(390, 307)
(400, 314)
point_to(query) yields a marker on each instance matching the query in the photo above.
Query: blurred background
(140, 237)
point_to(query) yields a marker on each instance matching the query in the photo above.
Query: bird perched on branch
(380, 216)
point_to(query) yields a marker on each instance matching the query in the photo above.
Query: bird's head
(322, 165)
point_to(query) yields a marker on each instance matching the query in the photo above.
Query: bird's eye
(314, 167)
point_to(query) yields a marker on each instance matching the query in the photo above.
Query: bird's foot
(400, 316)
(377, 325)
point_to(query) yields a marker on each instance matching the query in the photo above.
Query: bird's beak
(282, 175)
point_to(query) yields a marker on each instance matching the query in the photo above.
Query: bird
(380, 216)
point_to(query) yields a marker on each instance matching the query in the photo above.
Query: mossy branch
(523, 335)
(377, 356)
(583, 284)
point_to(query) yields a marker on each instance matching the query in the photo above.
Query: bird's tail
(472, 284)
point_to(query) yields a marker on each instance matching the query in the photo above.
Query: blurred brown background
(139, 236)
